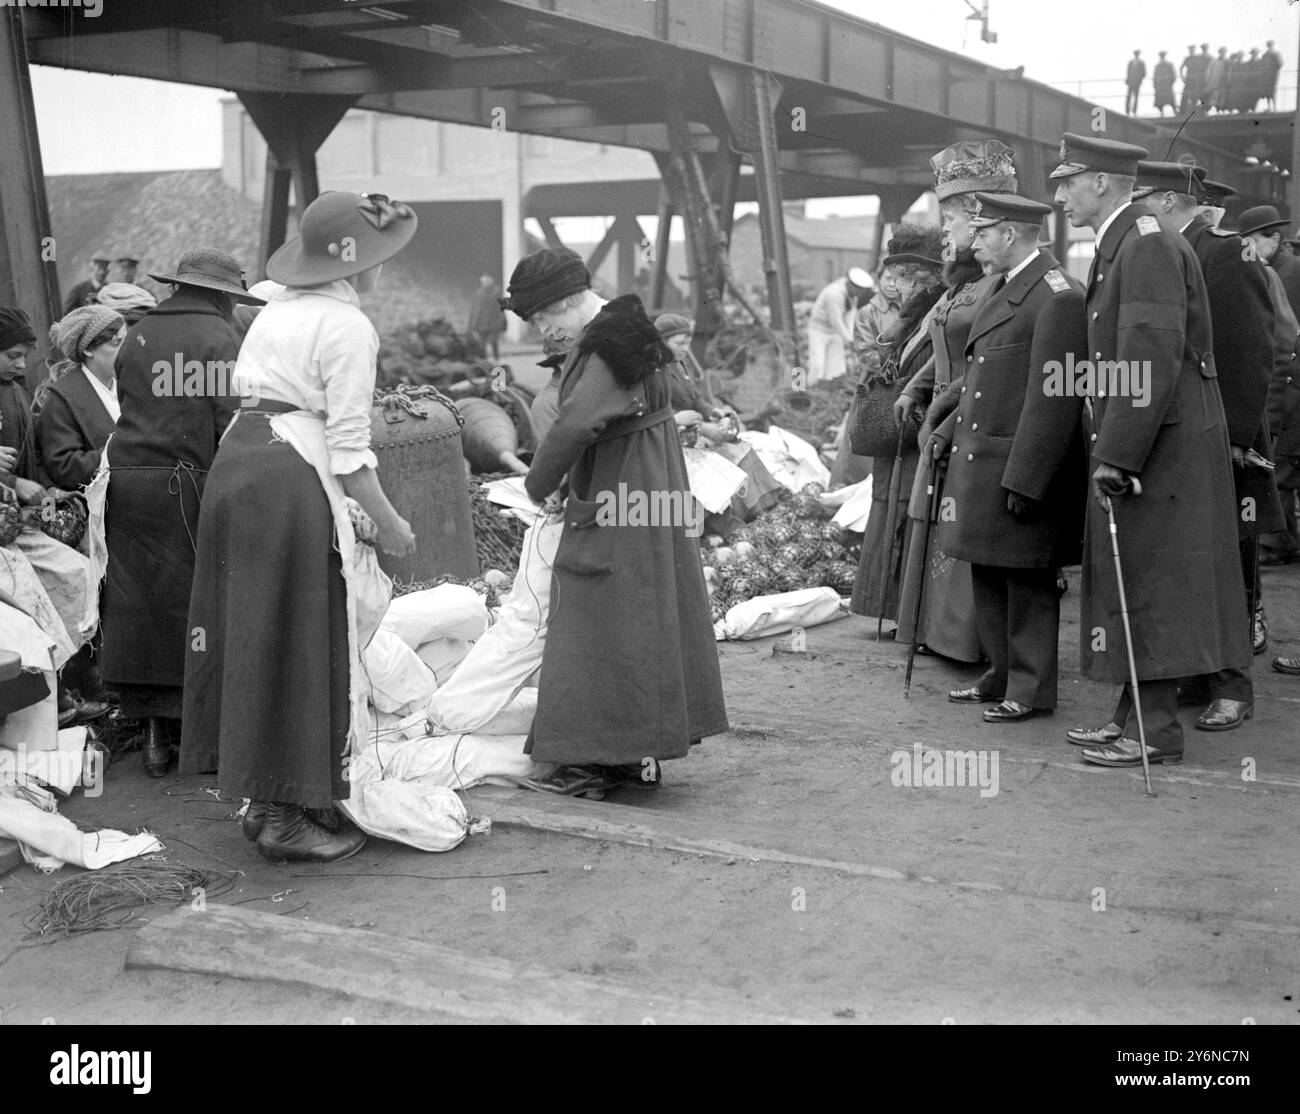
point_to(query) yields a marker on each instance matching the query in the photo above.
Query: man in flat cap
(1017, 480)
(85, 292)
(1148, 323)
(630, 671)
(1243, 323)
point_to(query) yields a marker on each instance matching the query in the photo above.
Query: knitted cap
(974, 164)
(544, 277)
(15, 328)
(80, 327)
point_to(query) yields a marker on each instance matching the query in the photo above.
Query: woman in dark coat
(77, 406)
(630, 673)
(173, 384)
(276, 694)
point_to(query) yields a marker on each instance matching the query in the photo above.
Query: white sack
(768, 615)
(48, 840)
(714, 480)
(447, 611)
(511, 650)
(855, 508)
(427, 817)
(399, 681)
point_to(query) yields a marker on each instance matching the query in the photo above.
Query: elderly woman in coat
(173, 384)
(630, 674)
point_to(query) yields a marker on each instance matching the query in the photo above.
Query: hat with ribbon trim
(342, 234)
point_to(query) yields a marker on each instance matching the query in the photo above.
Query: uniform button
(977, 394)
(1097, 356)
(1100, 277)
(974, 426)
(1094, 437)
(1094, 315)
(981, 359)
(963, 390)
(954, 448)
(969, 358)
(970, 456)
(1101, 394)
(959, 419)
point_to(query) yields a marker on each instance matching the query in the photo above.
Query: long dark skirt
(947, 620)
(266, 684)
(150, 517)
(877, 584)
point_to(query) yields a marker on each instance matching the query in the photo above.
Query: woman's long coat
(630, 669)
(1146, 301)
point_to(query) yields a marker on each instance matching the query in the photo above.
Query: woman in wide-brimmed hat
(158, 461)
(275, 695)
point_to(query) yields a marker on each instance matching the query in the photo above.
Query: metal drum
(415, 433)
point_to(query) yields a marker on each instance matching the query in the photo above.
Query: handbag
(871, 426)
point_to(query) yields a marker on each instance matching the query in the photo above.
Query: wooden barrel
(489, 437)
(422, 472)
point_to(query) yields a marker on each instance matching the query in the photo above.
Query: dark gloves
(1021, 507)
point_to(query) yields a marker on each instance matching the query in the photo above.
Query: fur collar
(625, 338)
(962, 270)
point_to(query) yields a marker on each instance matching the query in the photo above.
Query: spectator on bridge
(1216, 74)
(84, 292)
(1133, 78)
(487, 321)
(1272, 61)
(830, 328)
(1163, 80)
(1192, 72)
(1233, 81)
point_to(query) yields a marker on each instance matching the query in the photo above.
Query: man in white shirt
(830, 328)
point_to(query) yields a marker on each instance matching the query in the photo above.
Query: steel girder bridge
(817, 102)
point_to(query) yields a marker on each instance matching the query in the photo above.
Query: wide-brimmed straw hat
(342, 234)
(212, 270)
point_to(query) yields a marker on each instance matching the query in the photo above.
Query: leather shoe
(1287, 665)
(1224, 715)
(1094, 736)
(254, 820)
(289, 833)
(1128, 752)
(972, 695)
(157, 752)
(1012, 711)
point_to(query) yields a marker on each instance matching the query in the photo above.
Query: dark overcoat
(630, 669)
(1009, 434)
(1287, 267)
(1244, 327)
(1146, 301)
(159, 459)
(71, 430)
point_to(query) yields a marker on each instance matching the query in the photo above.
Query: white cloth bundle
(714, 479)
(791, 460)
(767, 615)
(502, 661)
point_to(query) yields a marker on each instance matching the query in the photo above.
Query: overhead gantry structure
(816, 102)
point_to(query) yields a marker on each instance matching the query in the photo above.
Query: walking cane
(1128, 634)
(931, 510)
(891, 527)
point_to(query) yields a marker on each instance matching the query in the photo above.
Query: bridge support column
(28, 274)
(294, 126)
(894, 202)
(771, 215)
(663, 244)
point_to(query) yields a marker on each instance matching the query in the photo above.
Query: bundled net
(112, 898)
(498, 537)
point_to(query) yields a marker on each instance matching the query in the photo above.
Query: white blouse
(315, 349)
(107, 395)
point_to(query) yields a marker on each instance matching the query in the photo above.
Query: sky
(93, 122)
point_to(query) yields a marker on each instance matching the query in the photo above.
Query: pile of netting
(794, 545)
